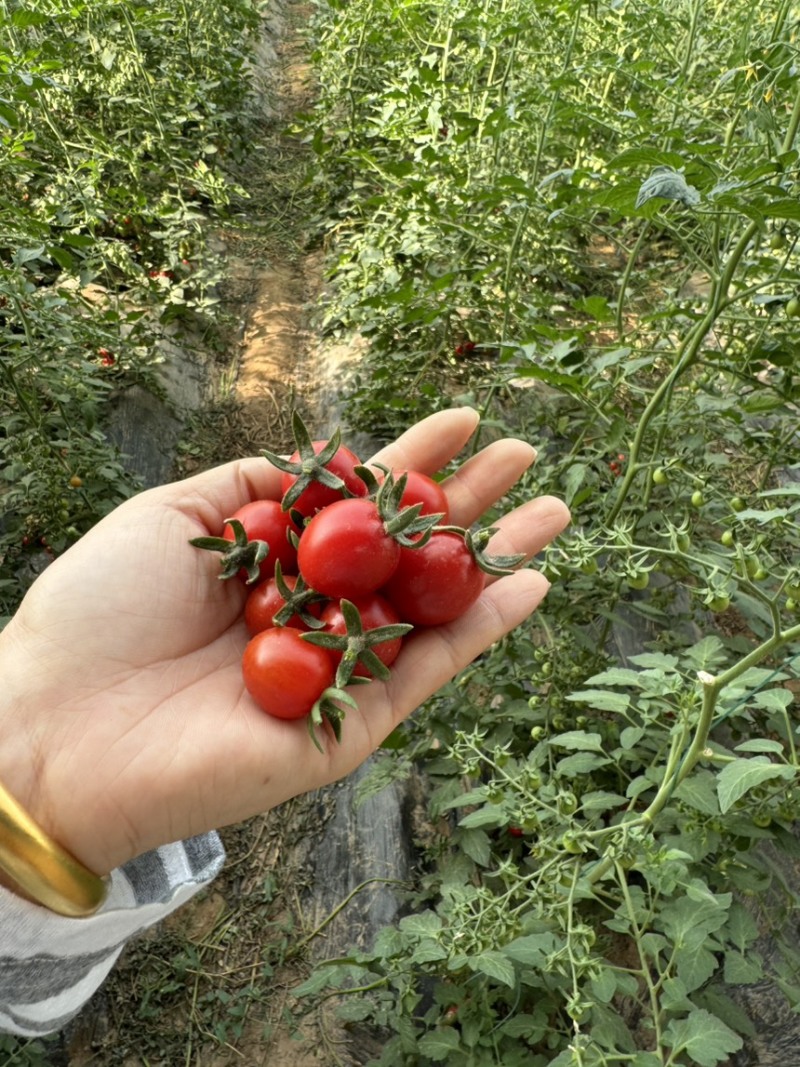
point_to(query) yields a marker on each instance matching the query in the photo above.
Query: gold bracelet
(41, 868)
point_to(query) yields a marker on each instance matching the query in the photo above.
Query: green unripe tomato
(760, 575)
(698, 499)
(659, 476)
(638, 580)
(533, 779)
(762, 819)
(777, 241)
(792, 589)
(683, 541)
(537, 732)
(719, 603)
(571, 844)
(567, 803)
(793, 308)
(737, 504)
(727, 538)
(792, 605)
(589, 566)
(752, 566)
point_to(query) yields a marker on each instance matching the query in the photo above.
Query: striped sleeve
(50, 965)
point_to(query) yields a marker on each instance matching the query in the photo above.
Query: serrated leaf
(530, 1027)
(474, 796)
(573, 480)
(495, 965)
(601, 699)
(738, 778)
(422, 925)
(761, 744)
(695, 967)
(631, 736)
(774, 700)
(475, 843)
(741, 969)
(492, 815)
(530, 950)
(437, 1045)
(600, 800)
(580, 763)
(428, 951)
(699, 791)
(665, 183)
(688, 920)
(578, 741)
(320, 979)
(616, 676)
(703, 1037)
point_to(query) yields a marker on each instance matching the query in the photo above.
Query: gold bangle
(41, 868)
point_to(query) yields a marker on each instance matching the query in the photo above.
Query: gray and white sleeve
(50, 965)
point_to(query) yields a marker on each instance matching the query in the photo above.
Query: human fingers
(214, 495)
(431, 443)
(485, 477)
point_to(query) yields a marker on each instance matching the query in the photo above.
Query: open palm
(125, 723)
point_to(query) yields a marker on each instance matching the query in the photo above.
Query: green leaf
(579, 741)
(699, 791)
(580, 763)
(573, 480)
(665, 183)
(774, 700)
(616, 676)
(742, 928)
(703, 1038)
(26, 255)
(741, 969)
(601, 699)
(695, 967)
(428, 951)
(491, 815)
(439, 1044)
(475, 843)
(762, 744)
(495, 965)
(631, 736)
(424, 924)
(688, 920)
(530, 1027)
(740, 777)
(530, 950)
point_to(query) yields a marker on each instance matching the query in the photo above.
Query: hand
(124, 722)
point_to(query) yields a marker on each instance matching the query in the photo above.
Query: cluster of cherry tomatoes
(341, 569)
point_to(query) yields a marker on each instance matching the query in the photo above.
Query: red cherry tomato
(374, 611)
(420, 489)
(264, 603)
(345, 551)
(317, 496)
(284, 674)
(436, 583)
(263, 520)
